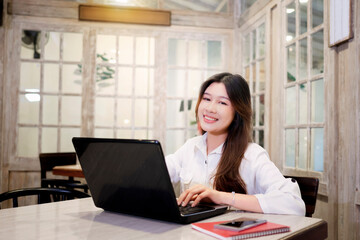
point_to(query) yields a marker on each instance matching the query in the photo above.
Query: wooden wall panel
(69, 10)
(340, 207)
(276, 88)
(356, 25)
(24, 180)
(2, 54)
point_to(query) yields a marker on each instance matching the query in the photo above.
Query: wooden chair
(49, 160)
(45, 195)
(309, 189)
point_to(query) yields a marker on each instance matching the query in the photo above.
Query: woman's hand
(199, 193)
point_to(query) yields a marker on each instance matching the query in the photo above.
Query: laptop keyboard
(188, 210)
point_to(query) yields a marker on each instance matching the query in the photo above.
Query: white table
(80, 219)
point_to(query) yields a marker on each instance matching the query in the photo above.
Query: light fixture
(124, 15)
(32, 95)
(290, 10)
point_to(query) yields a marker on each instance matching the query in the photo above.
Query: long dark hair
(227, 177)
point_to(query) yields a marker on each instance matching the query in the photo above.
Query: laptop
(130, 176)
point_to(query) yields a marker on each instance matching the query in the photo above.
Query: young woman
(223, 166)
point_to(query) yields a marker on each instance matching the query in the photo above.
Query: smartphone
(240, 224)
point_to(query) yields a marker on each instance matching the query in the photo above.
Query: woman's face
(215, 112)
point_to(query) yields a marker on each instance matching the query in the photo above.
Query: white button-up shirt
(191, 165)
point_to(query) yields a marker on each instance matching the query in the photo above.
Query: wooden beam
(124, 15)
(1, 12)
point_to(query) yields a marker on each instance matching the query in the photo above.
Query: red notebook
(262, 230)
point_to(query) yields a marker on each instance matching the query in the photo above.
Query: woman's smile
(209, 119)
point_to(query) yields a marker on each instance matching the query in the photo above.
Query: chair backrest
(309, 189)
(45, 195)
(49, 160)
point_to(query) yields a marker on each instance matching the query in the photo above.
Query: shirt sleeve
(276, 194)
(174, 163)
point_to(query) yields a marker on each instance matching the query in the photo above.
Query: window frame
(256, 94)
(308, 81)
(205, 73)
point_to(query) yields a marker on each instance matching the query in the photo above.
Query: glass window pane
(209, 73)
(105, 49)
(303, 16)
(72, 47)
(51, 78)
(261, 109)
(49, 139)
(290, 147)
(303, 103)
(291, 63)
(124, 118)
(194, 83)
(71, 110)
(144, 82)
(143, 50)
(152, 51)
(104, 111)
(291, 21)
(213, 54)
(175, 113)
(151, 113)
(29, 108)
(195, 55)
(317, 101)
(177, 52)
(176, 83)
(124, 133)
(192, 132)
(247, 74)
(261, 138)
(174, 140)
(29, 76)
(205, 6)
(253, 101)
(103, 133)
(27, 145)
(261, 40)
(317, 53)
(262, 76)
(246, 49)
(126, 49)
(105, 82)
(141, 108)
(143, 134)
(303, 59)
(256, 114)
(302, 148)
(246, 4)
(253, 66)
(253, 35)
(125, 81)
(290, 106)
(30, 44)
(66, 135)
(50, 114)
(317, 149)
(190, 110)
(71, 81)
(52, 46)
(317, 12)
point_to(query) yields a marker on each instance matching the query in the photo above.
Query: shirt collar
(201, 146)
